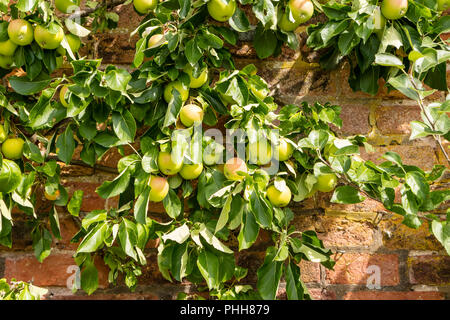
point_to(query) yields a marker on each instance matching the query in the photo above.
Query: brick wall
(368, 241)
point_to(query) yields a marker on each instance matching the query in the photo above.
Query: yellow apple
(190, 114)
(191, 171)
(232, 167)
(326, 182)
(20, 32)
(159, 188)
(49, 37)
(394, 9)
(167, 164)
(196, 82)
(221, 10)
(13, 148)
(279, 198)
(259, 153)
(284, 150)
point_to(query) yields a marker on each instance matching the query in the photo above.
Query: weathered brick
(351, 268)
(338, 231)
(322, 294)
(53, 271)
(355, 119)
(396, 119)
(104, 296)
(310, 271)
(431, 270)
(398, 236)
(393, 295)
(422, 156)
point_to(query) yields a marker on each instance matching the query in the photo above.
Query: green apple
(196, 82)
(13, 148)
(232, 167)
(191, 171)
(302, 10)
(7, 48)
(190, 114)
(279, 198)
(175, 181)
(156, 40)
(167, 164)
(159, 188)
(184, 92)
(20, 32)
(287, 25)
(212, 154)
(67, 6)
(394, 9)
(49, 37)
(6, 62)
(145, 6)
(221, 10)
(259, 153)
(284, 150)
(326, 182)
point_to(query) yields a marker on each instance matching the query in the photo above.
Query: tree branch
(86, 12)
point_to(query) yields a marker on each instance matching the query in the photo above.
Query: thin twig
(86, 12)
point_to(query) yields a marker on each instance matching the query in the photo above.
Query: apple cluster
(22, 33)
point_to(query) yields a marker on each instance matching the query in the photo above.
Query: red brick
(53, 271)
(431, 270)
(351, 268)
(393, 295)
(355, 119)
(322, 294)
(103, 296)
(91, 200)
(422, 156)
(310, 271)
(338, 231)
(396, 119)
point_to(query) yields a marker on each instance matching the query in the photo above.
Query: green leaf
(265, 42)
(66, 145)
(172, 204)
(388, 60)
(113, 188)
(224, 214)
(141, 206)
(419, 186)
(295, 289)
(23, 86)
(269, 275)
(94, 239)
(124, 126)
(263, 213)
(75, 202)
(346, 195)
(441, 230)
(239, 21)
(193, 52)
(212, 240)
(26, 5)
(89, 277)
(128, 238)
(249, 231)
(404, 85)
(179, 235)
(117, 79)
(208, 264)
